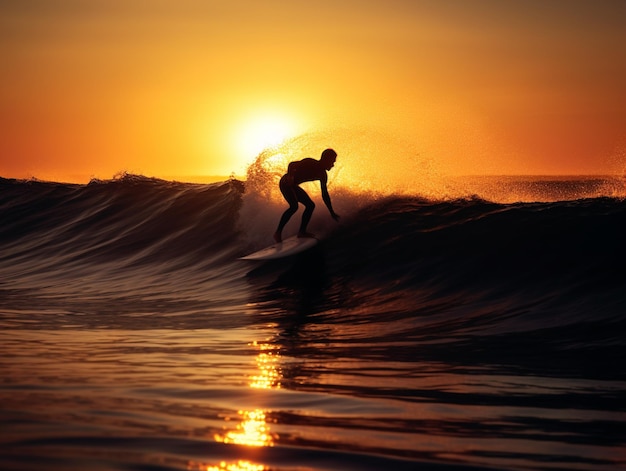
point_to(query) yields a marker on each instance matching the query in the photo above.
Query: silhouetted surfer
(305, 170)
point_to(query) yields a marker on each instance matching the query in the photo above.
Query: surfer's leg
(309, 206)
(292, 199)
(283, 221)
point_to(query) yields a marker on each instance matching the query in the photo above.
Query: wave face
(140, 220)
(120, 241)
(526, 302)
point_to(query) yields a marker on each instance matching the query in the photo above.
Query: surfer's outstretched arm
(326, 198)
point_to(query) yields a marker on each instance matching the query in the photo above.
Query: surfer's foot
(306, 234)
(277, 237)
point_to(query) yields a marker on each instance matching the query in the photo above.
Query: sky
(192, 88)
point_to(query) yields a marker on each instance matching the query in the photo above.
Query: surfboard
(290, 246)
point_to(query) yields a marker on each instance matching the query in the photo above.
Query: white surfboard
(290, 246)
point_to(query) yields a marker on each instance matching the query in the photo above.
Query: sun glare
(261, 132)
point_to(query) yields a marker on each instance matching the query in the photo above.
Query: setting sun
(261, 131)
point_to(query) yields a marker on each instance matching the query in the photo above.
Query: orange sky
(199, 87)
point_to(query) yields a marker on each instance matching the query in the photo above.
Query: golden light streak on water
(251, 431)
(241, 465)
(269, 373)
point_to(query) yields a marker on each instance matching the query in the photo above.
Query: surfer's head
(328, 158)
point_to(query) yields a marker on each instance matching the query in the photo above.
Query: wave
(389, 254)
(146, 220)
(470, 268)
(133, 219)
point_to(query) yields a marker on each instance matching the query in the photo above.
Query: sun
(262, 131)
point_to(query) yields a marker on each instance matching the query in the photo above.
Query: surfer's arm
(326, 198)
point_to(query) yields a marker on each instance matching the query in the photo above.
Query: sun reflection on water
(253, 429)
(241, 465)
(267, 361)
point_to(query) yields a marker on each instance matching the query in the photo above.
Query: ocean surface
(483, 329)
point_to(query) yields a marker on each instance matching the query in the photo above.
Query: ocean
(481, 329)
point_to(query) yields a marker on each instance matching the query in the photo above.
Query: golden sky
(199, 87)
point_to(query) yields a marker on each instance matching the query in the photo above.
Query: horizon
(208, 179)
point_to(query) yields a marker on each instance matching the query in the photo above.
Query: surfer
(305, 170)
